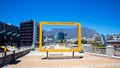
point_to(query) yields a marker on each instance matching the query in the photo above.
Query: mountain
(87, 32)
(71, 33)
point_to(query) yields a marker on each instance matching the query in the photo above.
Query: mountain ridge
(72, 33)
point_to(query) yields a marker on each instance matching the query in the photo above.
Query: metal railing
(117, 52)
(99, 50)
(102, 50)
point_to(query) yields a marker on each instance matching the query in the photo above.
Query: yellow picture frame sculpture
(78, 49)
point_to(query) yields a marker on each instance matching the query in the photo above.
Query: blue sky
(50, 27)
(101, 15)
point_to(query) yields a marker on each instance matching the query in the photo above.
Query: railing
(117, 52)
(99, 50)
(109, 51)
(10, 55)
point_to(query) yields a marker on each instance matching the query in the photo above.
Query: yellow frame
(60, 50)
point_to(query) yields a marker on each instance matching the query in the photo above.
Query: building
(55, 38)
(52, 38)
(29, 33)
(61, 36)
(9, 34)
(114, 42)
(116, 36)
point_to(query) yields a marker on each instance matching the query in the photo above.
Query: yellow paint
(60, 23)
(4, 48)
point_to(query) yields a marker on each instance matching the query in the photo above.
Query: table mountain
(71, 33)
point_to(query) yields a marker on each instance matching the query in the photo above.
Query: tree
(76, 42)
(83, 41)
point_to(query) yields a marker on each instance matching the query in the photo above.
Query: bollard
(14, 56)
(110, 51)
(5, 55)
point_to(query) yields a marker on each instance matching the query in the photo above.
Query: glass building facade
(61, 36)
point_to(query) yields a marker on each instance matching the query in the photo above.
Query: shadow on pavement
(63, 57)
(14, 62)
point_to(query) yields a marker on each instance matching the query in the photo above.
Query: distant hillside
(71, 33)
(87, 32)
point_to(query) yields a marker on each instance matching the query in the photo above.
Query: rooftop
(113, 41)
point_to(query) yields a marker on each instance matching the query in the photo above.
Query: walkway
(64, 60)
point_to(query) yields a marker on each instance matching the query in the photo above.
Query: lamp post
(5, 50)
(5, 54)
